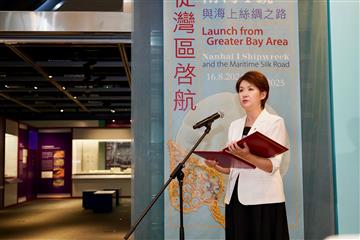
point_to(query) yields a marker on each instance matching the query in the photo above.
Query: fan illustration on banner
(203, 186)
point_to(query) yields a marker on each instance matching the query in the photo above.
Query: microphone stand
(176, 173)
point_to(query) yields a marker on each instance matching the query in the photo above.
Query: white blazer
(256, 186)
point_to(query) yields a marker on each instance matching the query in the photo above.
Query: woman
(255, 200)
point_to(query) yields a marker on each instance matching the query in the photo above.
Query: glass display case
(99, 156)
(101, 159)
(11, 170)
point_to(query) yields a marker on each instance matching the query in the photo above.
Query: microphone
(208, 120)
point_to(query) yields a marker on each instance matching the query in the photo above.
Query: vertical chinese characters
(184, 40)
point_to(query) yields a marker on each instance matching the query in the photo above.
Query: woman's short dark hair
(259, 80)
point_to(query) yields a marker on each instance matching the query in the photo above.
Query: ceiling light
(63, 88)
(35, 87)
(112, 110)
(75, 97)
(57, 6)
(6, 86)
(61, 110)
(113, 120)
(50, 76)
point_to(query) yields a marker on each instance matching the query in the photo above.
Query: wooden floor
(60, 219)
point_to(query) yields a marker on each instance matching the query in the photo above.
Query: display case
(11, 170)
(98, 156)
(101, 159)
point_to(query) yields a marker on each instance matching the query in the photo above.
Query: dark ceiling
(65, 81)
(62, 5)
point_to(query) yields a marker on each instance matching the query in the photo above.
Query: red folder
(258, 143)
(224, 159)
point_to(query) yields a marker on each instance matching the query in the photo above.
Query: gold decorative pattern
(203, 186)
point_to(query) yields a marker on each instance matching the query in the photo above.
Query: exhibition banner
(208, 45)
(55, 161)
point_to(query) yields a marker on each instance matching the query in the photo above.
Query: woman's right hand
(210, 163)
(214, 164)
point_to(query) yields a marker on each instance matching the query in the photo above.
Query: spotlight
(112, 110)
(57, 6)
(61, 110)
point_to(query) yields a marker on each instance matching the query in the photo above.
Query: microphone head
(221, 114)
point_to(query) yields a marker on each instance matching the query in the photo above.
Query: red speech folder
(224, 159)
(258, 143)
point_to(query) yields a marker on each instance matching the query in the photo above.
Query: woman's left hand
(242, 152)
